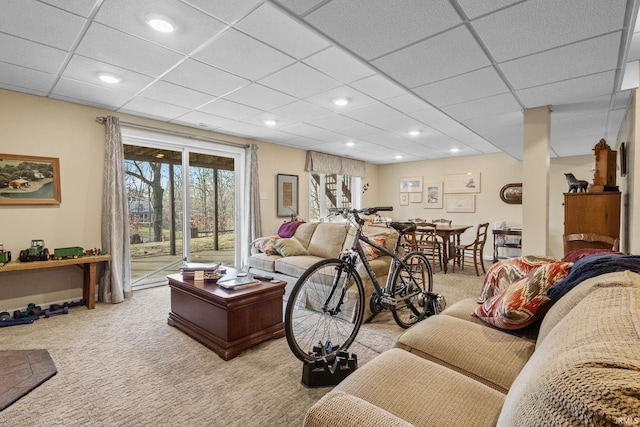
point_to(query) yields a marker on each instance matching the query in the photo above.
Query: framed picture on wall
(411, 185)
(404, 199)
(462, 183)
(461, 203)
(29, 180)
(433, 195)
(287, 189)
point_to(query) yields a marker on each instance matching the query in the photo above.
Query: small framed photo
(433, 193)
(411, 185)
(415, 197)
(287, 189)
(462, 183)
(404, 199)
(461, 203)
(29, 180)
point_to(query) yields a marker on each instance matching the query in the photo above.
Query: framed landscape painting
(462, 183)
(29, 180)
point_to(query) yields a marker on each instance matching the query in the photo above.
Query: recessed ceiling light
(109, 78)
(340, 101)
(159, 155)
(454, 150)
(399, 156)
(415, 132)
(270, 122)
(350, 144)
(160, 23)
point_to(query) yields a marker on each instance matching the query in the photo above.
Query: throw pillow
(591, 266)
(260, 243)
(504, 273)
(370, 252)
(287, 229)
(525, 301)
(290, 247)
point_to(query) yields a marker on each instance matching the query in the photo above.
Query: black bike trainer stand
(320, 373)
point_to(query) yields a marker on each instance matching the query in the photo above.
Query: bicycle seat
(403, 227)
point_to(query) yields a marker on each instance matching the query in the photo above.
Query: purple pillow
(287, 229)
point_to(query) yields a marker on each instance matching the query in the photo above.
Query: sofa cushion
(485, 354)
(296, 265)
(263, 261)
(290, 247)
(504, 273)
(304, 232)
(327, 240)
(524, 301)
(587, 370)
(567, 303)
(397, 382)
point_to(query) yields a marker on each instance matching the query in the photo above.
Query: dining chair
(442, 221)
(426, 241)
(473, 249)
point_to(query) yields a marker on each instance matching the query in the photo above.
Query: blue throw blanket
(592, 266)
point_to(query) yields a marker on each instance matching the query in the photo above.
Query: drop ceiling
(458, 71)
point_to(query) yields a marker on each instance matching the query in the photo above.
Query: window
(330, 191)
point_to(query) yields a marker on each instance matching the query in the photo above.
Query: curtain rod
(102, 119)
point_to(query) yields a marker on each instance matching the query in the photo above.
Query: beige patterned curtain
(255, 217)
(327, 163)
(116, 282)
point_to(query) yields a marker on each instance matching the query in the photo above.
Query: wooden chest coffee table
(226, 321)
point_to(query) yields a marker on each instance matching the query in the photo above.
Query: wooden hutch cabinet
(591, 212)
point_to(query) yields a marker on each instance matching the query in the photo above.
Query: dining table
(450, 235)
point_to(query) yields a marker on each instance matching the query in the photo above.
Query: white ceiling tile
(18, 78)
(371, 28)
(192, 27)
(229, 109)
(309, 131)
(475, 8)
(281, 121)
(378, 87)
(87, 70)
(408, 103)
(97, 95)
(634, 49)
(484, 107)
(578, 59)
(41, 23)
(568, 90)
(498, 121)
(30, 54)
(151, 108)
(199, 119)
(176, 95)
(466, 87)
(108, 45)
(339, 65)
(300, 80)
(360, 131)
(446, 55)
(301, 111)
(255, 61)
(333, 122)
(534, 26)
(253, 131)
(228, 11)
(430, 115)
(299, 7)
(270, 25)
(204, 78)
(356, 98)
(79, 7)
(260, 97)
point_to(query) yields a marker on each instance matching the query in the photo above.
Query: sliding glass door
(183, 199)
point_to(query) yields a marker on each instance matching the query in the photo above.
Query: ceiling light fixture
(415, 132)
(350, 144)
(454, 150)
(160, 23)
(270, 122)
(340, 102)
(109, 78)
(399, 156)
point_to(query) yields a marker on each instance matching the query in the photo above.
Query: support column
(535, 180)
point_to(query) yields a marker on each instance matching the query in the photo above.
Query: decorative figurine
(576, 185)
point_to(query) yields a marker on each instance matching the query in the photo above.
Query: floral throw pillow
(370, 252)
(526, 300)
(504, 273)
(265, 244)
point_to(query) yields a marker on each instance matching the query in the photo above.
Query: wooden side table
(226, 321)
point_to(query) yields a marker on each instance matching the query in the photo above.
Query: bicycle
(326, 306)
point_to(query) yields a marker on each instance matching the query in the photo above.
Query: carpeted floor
(121, 365)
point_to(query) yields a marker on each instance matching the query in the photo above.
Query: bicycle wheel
(412, 283)
(319, 322)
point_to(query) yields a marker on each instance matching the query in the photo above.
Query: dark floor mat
(21, 371)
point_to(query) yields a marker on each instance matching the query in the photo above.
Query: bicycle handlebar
(365, 211)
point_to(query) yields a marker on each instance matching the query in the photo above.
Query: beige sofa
(320, 240)
(583, 368)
